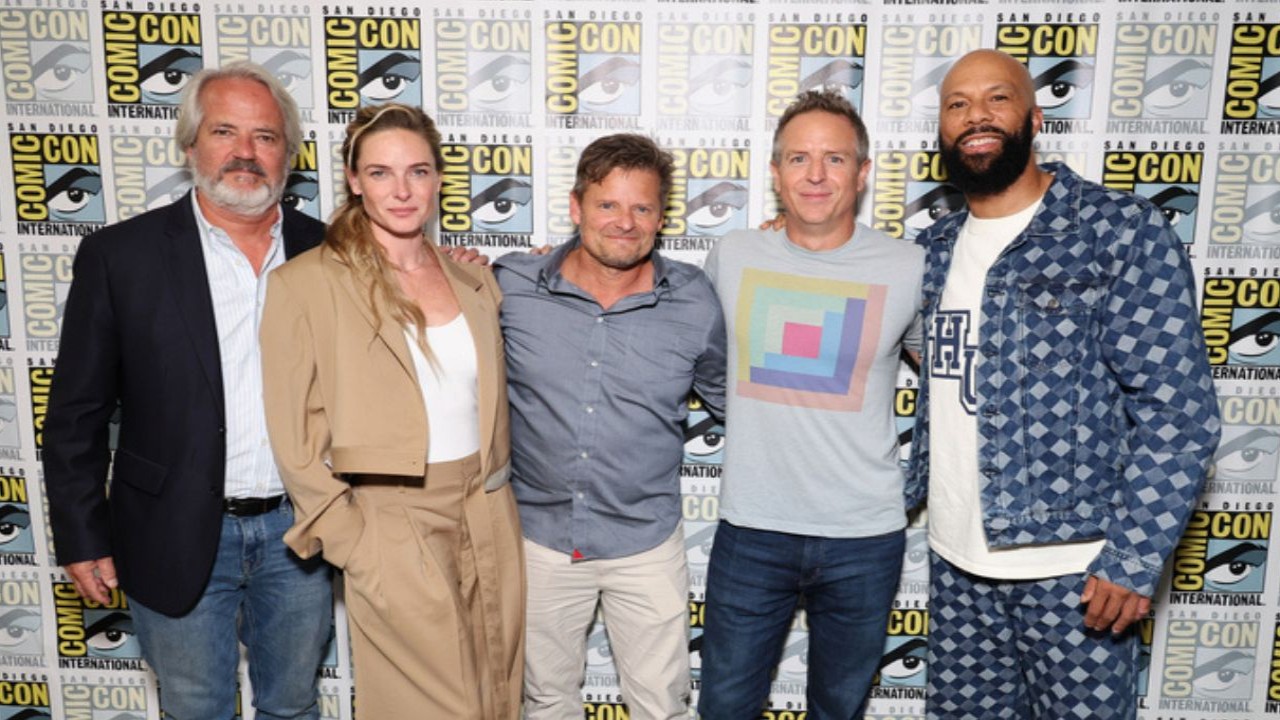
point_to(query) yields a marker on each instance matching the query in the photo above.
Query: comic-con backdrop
(1175, 101)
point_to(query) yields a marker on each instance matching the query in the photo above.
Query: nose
(244, 145)
(816, 171)
(402, 187)
(978, 113)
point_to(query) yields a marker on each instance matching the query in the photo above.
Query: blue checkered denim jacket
(1095, 405)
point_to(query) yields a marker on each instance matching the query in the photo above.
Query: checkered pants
(1019, 649)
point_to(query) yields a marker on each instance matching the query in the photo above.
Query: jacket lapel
(189, 281)
(385, 329)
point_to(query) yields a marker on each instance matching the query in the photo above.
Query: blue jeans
(755, 580)
(279, 606)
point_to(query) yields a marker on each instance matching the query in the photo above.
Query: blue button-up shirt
(598, 397)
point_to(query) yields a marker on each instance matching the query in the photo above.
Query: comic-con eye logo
(302, 186)
(279, 43)
(57, 183)
(911, 192)
(914, 59)
(484, 66)
(372, 60)
(1246, 203)
(1162, 71)
(486, 195)
(93, 636)
(17, 541)
(905, 660)
(704, 74)
(703, 437)
(105, 701)
(1253, 77)
(593, 68)
(1212, 660)
(24, 700)
(599, 653)
(20, 620)
(150, 172)
(815, 57)
(1221, 552)
(1171, 180)
(150, 58)
(1241, 321)
(46, 58)
(1062, 59)
(709, 193)
(1246, 458)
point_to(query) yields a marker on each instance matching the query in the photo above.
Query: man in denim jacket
(1063, 356)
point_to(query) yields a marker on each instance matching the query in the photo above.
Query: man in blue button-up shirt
(605, 339)
(1066, 416)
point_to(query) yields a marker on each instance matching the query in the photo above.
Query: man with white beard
(162, 322)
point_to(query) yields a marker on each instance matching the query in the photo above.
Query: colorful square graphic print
(807, 342)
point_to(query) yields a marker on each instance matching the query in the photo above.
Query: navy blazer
(139, 332)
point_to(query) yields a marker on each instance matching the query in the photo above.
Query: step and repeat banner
(1176, 101)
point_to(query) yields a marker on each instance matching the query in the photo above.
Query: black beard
(993, 176)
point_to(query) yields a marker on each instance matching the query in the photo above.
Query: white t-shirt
(448, 389)
(955, 503)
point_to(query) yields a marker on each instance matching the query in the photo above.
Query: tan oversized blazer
(342, 396)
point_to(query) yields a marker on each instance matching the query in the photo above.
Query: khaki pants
(434, 594)
(645, 601)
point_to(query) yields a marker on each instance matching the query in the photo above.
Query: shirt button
(584, 455)
(590, 409)
(581, 495)
(595, 363)
(599, 320)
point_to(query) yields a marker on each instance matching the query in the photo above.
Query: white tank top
(448, 389)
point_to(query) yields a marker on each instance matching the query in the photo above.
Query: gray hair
(827, 101)
(191, 109)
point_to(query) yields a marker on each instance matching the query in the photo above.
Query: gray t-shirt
(814, 340)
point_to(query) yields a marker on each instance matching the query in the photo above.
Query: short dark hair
(626, 151)
(827, 101)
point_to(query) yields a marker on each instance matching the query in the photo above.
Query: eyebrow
(1246, 440)
(54, 57)
(501, 188)
(73, 177)
(497, 65)
(629, 69)
(1178, 69)
(388, 62)
(1060, 69)
(169, 59)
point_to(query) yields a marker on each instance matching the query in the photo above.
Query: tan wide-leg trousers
(435, 598)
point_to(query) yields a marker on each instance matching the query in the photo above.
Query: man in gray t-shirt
(811, 502)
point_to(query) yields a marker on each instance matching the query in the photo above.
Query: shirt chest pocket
(1055, 321)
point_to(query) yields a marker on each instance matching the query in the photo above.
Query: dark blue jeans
(282, 608)
(755, 581)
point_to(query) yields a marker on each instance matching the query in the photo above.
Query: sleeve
(913, 340)
(327, 518)
(710, 368)
(84, 394)
(1153, 344)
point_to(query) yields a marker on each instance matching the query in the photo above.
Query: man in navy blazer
(162, 322)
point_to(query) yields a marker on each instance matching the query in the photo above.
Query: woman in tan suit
(386, 406)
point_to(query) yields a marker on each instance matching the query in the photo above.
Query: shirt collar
(210, 233)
